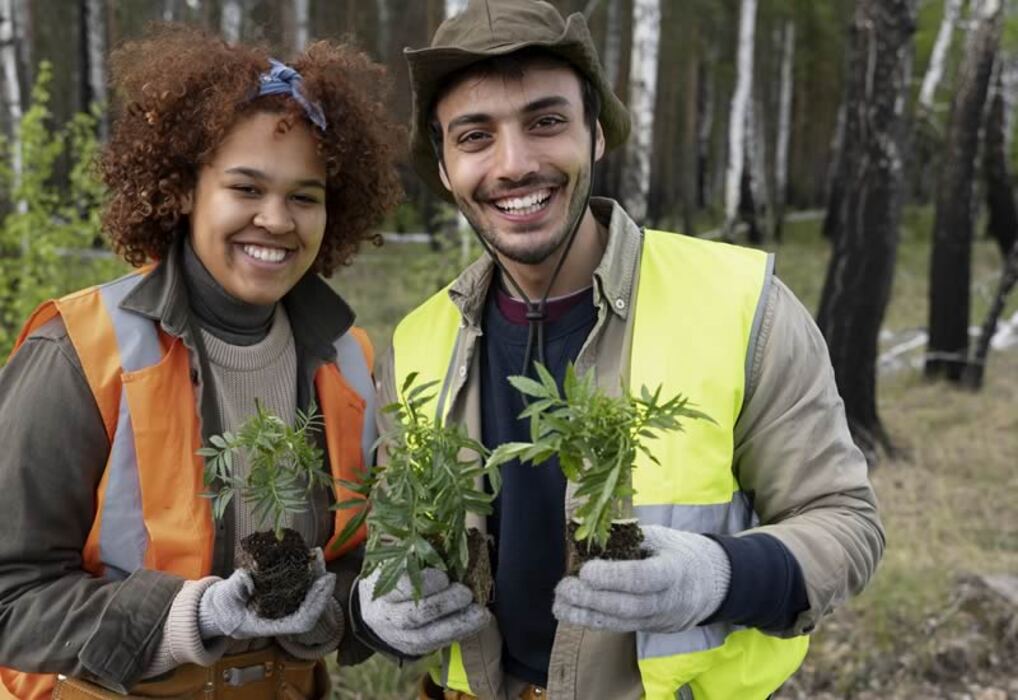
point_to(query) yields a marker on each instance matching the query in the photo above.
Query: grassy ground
(922, 628)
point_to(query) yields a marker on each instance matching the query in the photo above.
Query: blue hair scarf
(281, 79)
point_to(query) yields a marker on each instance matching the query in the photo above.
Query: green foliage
(48, 219)
(420, 498)
(284, 465)
(596, 437)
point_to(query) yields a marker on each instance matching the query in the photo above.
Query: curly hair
(181, 90)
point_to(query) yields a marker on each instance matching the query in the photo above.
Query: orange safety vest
(150, 512)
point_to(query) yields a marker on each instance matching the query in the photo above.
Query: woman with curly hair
(235, 182)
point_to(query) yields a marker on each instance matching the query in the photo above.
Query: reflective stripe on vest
(697, 314)
(149, 510)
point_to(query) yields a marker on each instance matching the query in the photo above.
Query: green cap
(488, 28)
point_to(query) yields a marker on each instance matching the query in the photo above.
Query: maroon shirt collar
(515, 310)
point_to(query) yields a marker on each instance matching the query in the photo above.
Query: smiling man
(755, 525)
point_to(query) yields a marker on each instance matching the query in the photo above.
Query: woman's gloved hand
(682, 583)
(224, 612)
(445, 613)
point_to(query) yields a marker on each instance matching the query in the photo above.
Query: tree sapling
(434, 476)
(284, 465)
(597, 438)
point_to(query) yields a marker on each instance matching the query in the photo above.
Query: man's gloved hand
(224, 612)
(444, 614)
(682, 583)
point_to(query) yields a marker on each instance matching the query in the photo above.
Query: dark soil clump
(281, 570)
(478, 577)
(624, 544)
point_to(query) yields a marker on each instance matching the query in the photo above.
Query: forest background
(868, 143)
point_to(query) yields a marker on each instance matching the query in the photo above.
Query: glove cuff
(721, 576)
(181, 641)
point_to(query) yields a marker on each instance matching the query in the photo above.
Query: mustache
(536, 180)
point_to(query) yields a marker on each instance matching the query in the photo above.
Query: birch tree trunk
(784, 127)
(976, 369)
(301, 24)
(613, 42)
(230, 20)
(96, 32)
(947, 351)
(171, 10)
(935, 71)
(835, 181)
(737, 116)
(861, 270)
(1002, 220)
(23, 40)
(705, 129)
(12, 93)
(642, 100)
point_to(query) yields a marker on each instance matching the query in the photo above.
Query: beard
(534, 252)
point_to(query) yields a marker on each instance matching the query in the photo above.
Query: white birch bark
(230, 20)
(784, 117)
(12, 92)
(613, 43)
(301, 24)
(737, 116)
(170, 10)
(96, 31)
(453, 7)
(941, 45)
(756, 141)
(642, 96)
(1009, 84)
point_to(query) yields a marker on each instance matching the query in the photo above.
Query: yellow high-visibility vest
(696, 314)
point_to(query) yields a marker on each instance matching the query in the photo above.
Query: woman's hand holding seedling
(420, 622)
(225, 611)
(679, 585)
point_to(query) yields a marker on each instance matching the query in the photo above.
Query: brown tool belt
(429, 690)
(259, 675)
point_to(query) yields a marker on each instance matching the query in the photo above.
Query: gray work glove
(444, 614)
(223, 610)
(322, 639)
(682, 583)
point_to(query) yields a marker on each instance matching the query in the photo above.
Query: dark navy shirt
(529, 521)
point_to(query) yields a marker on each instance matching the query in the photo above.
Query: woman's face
(258, 212)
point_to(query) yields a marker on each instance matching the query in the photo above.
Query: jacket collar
(318, 316)
(613, 278)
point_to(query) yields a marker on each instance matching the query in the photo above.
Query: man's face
(516, 155)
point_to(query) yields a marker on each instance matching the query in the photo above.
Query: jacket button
(463, 370)
(620, 303)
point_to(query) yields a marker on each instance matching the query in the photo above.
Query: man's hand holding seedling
(621, 576)
(442, 613)
(680, 584)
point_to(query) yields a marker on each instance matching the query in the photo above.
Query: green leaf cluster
(284, 464)
(49, 236)
(597, 438)
(421, 496)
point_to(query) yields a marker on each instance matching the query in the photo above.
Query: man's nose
(515, 157)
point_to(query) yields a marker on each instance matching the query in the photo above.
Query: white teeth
(267, 254)
(524, 205)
